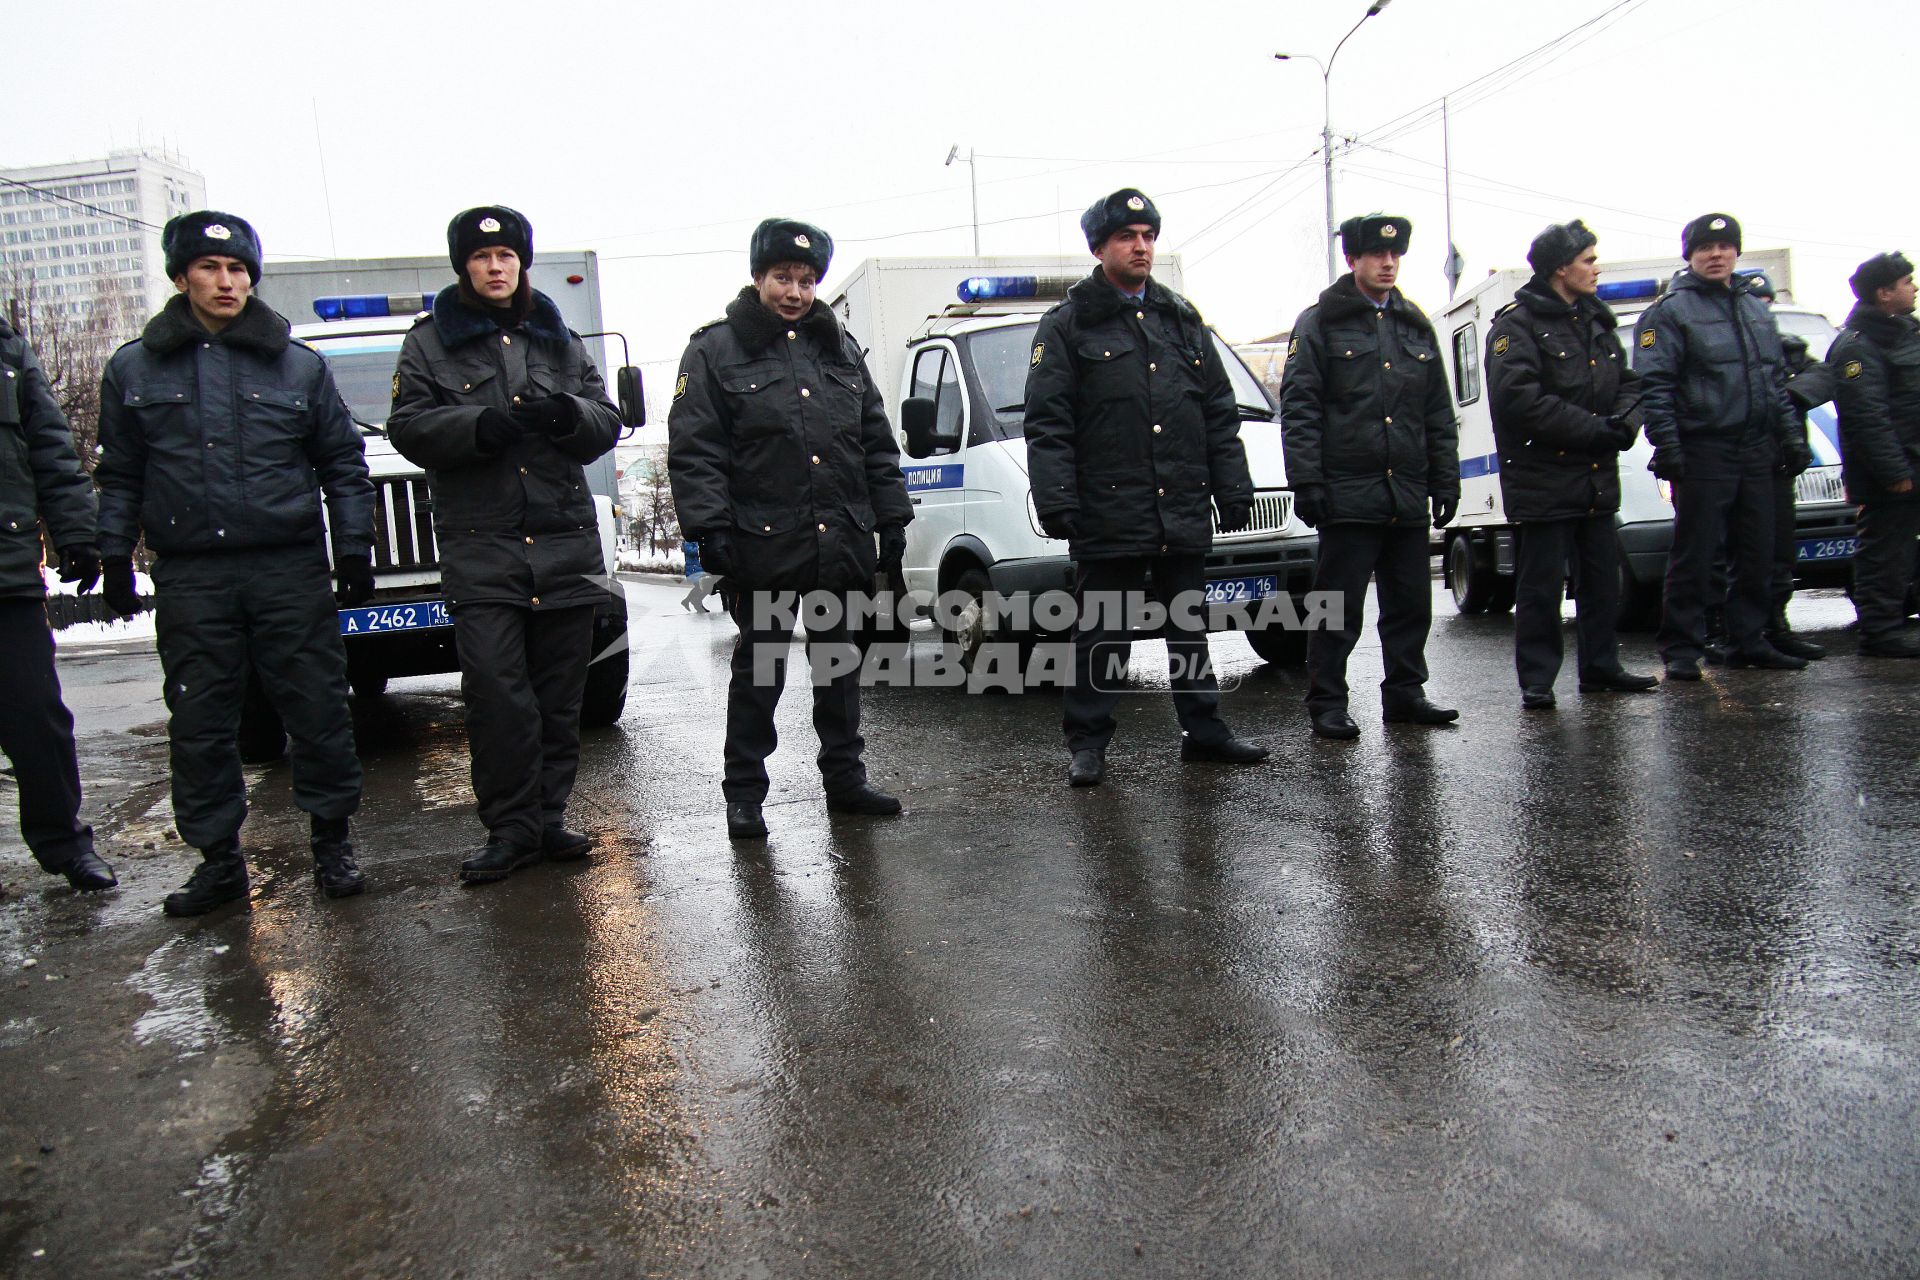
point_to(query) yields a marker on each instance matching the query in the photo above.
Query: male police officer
(1563, 402)
(1372, 452)
(1877, 360)
(41, 480)
(783, 467)
(1715, 405)
(1132, 433)
(218, 435)
(500, 401)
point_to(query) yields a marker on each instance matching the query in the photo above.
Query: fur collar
(756, 325)
(1342, 300)
(258, 326)
(1876, 325)
(459, 323)
(1096, 299)
(1541, 300)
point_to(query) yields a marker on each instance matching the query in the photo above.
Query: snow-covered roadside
(83, 634)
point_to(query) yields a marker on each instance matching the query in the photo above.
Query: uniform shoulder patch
(1039, 350)
(680, 387)
(1293, 347)
(1851, 369)
(396, 386)
(1646, 337)
(1500, 345)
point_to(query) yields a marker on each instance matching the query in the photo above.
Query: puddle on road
(175, 978)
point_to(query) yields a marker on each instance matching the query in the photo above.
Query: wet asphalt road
(1627, 989)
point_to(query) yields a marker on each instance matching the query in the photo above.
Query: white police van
(1478, 547)
(949, 341)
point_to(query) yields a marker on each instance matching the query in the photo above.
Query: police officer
(1372, 452)
(1715, 405)
(1133, 437)
(41, 480)
(1876, 359)
(218, 436)
(1564, 404)
(783, 468)
(501, 404)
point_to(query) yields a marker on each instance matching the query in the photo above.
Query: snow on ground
(83, 634)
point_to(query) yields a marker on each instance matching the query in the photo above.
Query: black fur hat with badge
(1558, 246)
(1710, 228)
(778, 240)
(1121, 209)
(208, 233)
(484, 226)
(1372, 232)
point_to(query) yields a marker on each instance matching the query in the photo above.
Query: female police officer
(783, 466)
(500, 402)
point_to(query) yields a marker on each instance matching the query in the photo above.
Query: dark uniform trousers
(1101, 652)
(1883, 562)
(1548, 548)
(219, 615)
(1734, 512)
(523, 674)
(36, 733)
(1786, 549)
(759, 673)
(1396, 559)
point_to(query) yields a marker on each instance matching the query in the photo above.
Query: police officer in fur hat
(1133, 443)
(1372, 452)
(219, 436)
(500, 402)
(784, 469)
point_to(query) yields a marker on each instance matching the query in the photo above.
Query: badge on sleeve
(1500, 345)
(680, 387)
(1646, 338)
(396, 386)
(1293, 347)
(1039, 349)
(1851, 369)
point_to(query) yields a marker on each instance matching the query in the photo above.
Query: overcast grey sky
(658, 134)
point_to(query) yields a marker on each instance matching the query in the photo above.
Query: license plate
(395, 617)
(1827, 548)
(1234, 590)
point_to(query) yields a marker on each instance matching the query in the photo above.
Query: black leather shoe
(1894, 644)
(1087, 768)
(1537, 697)
(334, 871)
(221, 877)
(865, 798)
(1232, 751)
(1417, 711)
(557, 844)
(88, 871)
(1716, 650)
(1683, 669)
(496, 860)
(1617, 682)
(1335, 724)
(1794, 647)
(744, 821)
(1767, 659)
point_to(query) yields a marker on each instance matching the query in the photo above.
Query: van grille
(1819, 484)
(1272, 510)
(403, 524)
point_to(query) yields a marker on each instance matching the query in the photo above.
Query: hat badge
(489, 224)
(1718, 224)
(801, 242)
(1136, 203)
(215, 231)
(1389, 231)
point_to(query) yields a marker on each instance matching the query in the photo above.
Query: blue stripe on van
(1485, 465)
(948, 476)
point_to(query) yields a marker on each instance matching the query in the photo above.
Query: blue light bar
(1616, 290)
(988, 288)
(367, 306)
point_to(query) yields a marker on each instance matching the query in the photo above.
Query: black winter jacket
(778, 439)
(1564, 403)
(1365, 410)
(225, 442)
(1876, 362)
(1713, 379)
(40, 475)
(1131, 423)
(516, 527)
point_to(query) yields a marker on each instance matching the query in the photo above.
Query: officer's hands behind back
(80, 563)
(118, 589)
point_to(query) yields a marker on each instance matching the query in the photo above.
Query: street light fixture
(1326, 124)
(973, 182)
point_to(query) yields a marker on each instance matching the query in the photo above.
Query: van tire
(606, 694)
(1470, 575)
(967, 643)
(1640, 602)
(1282, 646)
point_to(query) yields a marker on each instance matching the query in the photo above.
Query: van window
(936, 378)
(1466, 365)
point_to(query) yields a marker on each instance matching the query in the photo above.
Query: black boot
(497, 859)
(334, 870)
(221, 877)
(1780, 636)
(1716, 647)
(86, 871)
(557, 844)
(865, 798)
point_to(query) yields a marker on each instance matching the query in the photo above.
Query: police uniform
(1372, 450)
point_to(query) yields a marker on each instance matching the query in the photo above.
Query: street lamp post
(1326, 123)
(973, 185)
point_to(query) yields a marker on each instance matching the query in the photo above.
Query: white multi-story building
(68, 231)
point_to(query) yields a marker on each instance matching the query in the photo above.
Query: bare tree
(655, 519)
(73, 337)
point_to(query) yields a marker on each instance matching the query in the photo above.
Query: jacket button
(1196, 362)
(1592, 363)
(1139, 315)
(1389, 470)
(536, 599)
(753, 386)
(1596, 466)
(1106, 353)
(1386, 364)
(791, 335)
(804, 393)
(766, 528)
(509, 341)
(1163, 548)
(1561, 454)
(206, 346)
(1156, 428)
(529, 541)
(816, 459)
(821, 527)
(1161, 492)
(209, 444)
(466, 386)
(1389, 421)
(523, 471)
(1152, 368)
(516, 399)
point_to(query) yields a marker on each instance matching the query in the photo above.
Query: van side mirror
(916, 420)
(633, 404)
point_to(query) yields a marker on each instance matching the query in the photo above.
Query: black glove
(1310, 504)
(893, 546)
(549, 415)
(1668, 463)
(1235, 516)
(716, 552)
(118, 587)
(355, 576)
(495, 430)
(80, 563)
(1443, 509)
(1059, 524)
(1798, 456)
(1625, 431)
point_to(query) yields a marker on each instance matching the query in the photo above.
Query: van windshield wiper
(1251, 413)
(369, 427)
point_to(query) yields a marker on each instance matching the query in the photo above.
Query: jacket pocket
(466, 385)
(753, 403)
(1106, 367)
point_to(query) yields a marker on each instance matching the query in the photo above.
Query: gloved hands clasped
(549, 415)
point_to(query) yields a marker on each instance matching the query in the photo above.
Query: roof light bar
(368, 306)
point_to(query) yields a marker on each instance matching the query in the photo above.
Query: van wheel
(1282, 646)
(969, 638)
(1470, 577)
(606, 695)
(1639, 601)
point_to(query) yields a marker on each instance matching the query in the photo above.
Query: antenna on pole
(1456, 265)
(326, 190)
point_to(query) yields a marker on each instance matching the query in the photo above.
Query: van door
(936, 484)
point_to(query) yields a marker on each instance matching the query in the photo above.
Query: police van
(1478, 547)
(948, 341)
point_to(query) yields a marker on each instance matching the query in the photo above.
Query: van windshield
(362, 369)
(1001, 357)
